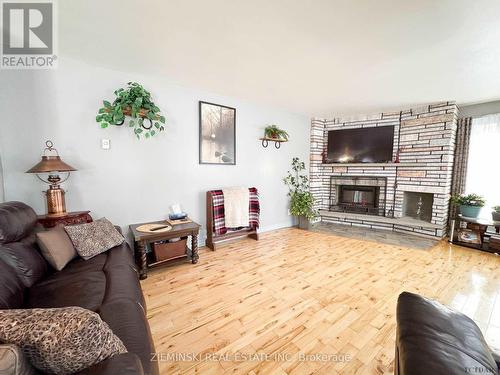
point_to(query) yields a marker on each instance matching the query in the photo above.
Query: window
(483, 175)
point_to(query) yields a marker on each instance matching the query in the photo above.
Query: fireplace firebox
(358, 194)
(418, 205)
(358, 197)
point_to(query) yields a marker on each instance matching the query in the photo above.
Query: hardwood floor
(295, 293)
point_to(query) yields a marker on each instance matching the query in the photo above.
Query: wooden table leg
(194, 248)
(141, 260)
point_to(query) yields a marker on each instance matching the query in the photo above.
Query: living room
(249, 187)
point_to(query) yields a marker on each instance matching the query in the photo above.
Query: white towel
(236, 207)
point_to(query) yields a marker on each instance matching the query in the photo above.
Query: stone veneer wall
(427, 142)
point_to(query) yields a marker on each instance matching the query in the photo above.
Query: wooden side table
(141, 239)
(70, 218)
(478, 225)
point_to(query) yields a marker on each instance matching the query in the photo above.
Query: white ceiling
(318, 57)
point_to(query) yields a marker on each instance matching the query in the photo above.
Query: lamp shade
(51, 164)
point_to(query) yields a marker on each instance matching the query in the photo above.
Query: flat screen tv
(363, 145)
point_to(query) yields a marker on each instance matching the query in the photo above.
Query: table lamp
(52, 164)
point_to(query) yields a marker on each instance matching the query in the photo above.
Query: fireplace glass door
(358, 197)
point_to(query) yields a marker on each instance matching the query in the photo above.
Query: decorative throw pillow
(94, 238)
(61, 340)
(13, 361)
(56, 247)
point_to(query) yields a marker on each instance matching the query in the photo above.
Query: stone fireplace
(411, 195)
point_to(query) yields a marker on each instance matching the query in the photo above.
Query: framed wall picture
(217, 134)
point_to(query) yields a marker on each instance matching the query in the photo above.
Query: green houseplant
(469, 204)
(301, 199)
(134, 102)
(274, 132)
(495, 214)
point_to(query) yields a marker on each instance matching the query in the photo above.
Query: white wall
(1, 177)
(136, 181)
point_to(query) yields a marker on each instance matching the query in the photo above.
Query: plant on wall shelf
(134, 102)
(274, 132)
(301, 199)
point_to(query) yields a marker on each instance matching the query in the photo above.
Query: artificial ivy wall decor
(135, 103)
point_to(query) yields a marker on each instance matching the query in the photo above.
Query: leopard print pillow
(60, 340)
(94, 238)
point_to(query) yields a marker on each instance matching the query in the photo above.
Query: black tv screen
(363, 145)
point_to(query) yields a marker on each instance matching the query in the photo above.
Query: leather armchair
(434, 339)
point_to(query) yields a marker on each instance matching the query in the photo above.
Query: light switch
(105, 144)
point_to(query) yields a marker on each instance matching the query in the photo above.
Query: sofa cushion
(84, 289)
(80, 265)
(12, 289)
(91, 239)
(56, 247)
(433, 339)
(17, 220)
(81, 283)
(25, 258)
(60, 341)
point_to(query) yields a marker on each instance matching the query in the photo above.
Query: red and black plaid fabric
(218, 210)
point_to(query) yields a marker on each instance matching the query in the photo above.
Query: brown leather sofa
(107, 284)
(433, 339)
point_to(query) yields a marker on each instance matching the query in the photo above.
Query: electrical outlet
(105, 144)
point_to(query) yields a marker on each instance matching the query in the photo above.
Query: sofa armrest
(123, 364)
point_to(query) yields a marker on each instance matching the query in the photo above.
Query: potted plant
(135, 102)
(495, 214)
(301, 199)
(274, 132)
(469, 204)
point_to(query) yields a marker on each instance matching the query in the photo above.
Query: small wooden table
(69, 218)
(141, 239)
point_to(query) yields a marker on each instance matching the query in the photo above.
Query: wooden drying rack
(214, 239)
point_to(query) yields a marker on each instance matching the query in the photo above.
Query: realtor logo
(28, 35)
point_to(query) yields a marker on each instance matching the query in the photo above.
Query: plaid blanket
(218, 210)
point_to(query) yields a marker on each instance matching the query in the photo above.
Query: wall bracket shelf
(277, 142)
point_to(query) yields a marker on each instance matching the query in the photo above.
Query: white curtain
(483, 175)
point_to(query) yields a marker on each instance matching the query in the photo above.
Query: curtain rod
(489, 114)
